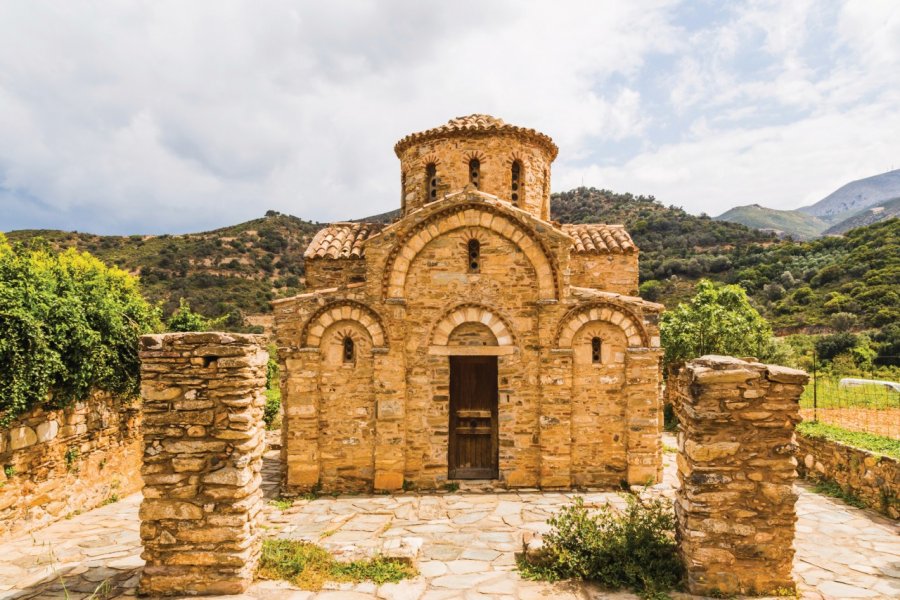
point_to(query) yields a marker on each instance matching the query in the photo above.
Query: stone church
(473, 337)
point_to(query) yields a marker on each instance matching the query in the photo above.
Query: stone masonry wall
(203, 444)
(54, 463)
(872, 478)
(735, 508)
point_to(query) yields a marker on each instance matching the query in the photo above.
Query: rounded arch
(575, 319)
(471, 313)
(470, 215)
(343, 310)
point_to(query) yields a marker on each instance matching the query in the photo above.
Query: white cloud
(173, 116)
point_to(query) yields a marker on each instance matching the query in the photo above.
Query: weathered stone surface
(875, 479)
(67, 460)
(735, 506)
(538, 297)
(202, 495)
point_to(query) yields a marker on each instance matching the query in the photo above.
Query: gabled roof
(341, 240)
(599, 239)
(476, 124)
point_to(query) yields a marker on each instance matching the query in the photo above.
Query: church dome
(476, 124)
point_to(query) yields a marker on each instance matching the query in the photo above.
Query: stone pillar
(735, 507)
(300, 429)
(555, 421)
(204, 437)
(390, 419)
(642, 414)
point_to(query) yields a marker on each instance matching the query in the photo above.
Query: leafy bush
(68, 324)
(631, 549)
(717, 320)
(829, 346)
(184, 319)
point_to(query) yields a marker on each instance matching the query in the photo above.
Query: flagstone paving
(464, 544)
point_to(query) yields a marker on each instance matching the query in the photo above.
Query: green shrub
(631, 549)
(272, 411)
(185, 319)
(68, 324)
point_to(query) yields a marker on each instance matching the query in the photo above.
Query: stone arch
(470, 215)
(471, 313)
(343, 310)
(620, 316)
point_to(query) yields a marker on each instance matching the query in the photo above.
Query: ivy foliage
(719, 319)
(68, 324)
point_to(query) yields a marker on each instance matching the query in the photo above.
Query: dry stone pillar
(204, 439)
(735, 507)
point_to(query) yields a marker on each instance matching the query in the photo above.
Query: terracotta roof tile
(476, 124)
(599, 239)
(341, 240)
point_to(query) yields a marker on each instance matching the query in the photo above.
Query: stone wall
(872, 478)
(735, 508)
(331, 273)
(55, 463)
(204, 439)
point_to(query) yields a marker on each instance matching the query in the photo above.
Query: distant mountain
(880, 212)
(785, 223)
(855, 196)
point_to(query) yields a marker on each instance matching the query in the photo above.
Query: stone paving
(464, 543)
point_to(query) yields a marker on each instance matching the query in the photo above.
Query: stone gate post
(735, 507)
(204, 438)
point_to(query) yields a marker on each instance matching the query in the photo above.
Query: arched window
(431, 182)
(596, 347)
(403, 192)
(474, 256)
(474, 172)
(349, 350)
(516, 190)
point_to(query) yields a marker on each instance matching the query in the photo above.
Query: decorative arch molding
(343, 310)
(470, 214)
(471, 313)
(620, 316)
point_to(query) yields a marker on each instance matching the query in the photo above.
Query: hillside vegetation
(828, 283)
(230, 272)
(783, 222)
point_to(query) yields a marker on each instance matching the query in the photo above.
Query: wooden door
(473, 418)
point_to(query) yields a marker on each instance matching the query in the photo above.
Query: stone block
(22, 437)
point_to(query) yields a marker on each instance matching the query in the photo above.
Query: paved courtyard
(464, 543)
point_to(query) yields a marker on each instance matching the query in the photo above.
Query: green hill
(236, 271)
(790, 223)
(232, 271)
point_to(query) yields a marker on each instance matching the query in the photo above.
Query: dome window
(431, 182)
(516, 191)
(475, 172)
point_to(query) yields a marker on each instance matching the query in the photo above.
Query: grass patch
(830, 394)
(669, 449)
(829, 487)
(634, 548)
(281, 503)
(309, 566)
(878, 444)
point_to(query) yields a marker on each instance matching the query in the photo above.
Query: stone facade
(472, 268)
(735, 506)
(55, 463)
(204, 439)
(872, 478)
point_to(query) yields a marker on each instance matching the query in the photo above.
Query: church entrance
(474, 446)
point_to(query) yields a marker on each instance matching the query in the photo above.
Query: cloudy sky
(173, 116)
